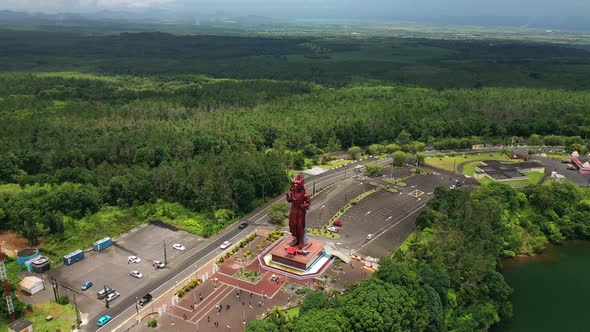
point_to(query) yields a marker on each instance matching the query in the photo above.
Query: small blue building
(73, 257)
(102, 244)
(26, 255)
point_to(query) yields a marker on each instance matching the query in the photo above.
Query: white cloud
(76, 5)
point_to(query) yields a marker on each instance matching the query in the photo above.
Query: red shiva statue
(300, 202)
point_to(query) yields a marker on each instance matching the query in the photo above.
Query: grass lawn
(336, 163)
(319, 232)
(558, 156)
(533, 178)
(63, 317)
(396, 182)
(451, 163)
(469, 168)
(293, 312)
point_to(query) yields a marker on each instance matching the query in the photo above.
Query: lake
(551, 291)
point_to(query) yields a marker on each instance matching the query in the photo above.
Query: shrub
(153, 323)
(63, 300)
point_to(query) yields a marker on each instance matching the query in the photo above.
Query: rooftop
(505, 171)
(19, 324)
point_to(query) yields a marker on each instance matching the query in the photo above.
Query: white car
(225, 244)
(112, 296)
(333, 229)
(370, 236)
(134, 259)
(158, 264)
(178, 247)
(136, 274)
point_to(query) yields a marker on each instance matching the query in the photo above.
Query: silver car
(136, 274)
(112, 296)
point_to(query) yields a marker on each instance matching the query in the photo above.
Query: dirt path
(12, 241)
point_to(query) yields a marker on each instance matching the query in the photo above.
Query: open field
(449, 163)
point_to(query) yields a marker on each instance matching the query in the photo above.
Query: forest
(75, 143)
(447, 278)
(102, 132)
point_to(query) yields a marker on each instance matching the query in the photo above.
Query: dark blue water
(551, 291)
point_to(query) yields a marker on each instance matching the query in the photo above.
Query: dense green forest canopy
(329, 60)
(84, 141)
(447, 279)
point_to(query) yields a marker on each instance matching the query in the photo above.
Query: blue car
(87, 285)
(103, 320)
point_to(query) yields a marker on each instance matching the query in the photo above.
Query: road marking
(381, 231)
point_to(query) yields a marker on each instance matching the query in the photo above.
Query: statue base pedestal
(295, 258)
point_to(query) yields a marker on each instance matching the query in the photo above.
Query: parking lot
(110, 267)
(390, 216)
(561, 168)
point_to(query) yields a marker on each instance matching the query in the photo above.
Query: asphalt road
(258, 216)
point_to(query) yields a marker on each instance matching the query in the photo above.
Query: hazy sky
(326, 8)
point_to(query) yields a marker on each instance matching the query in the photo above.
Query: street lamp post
(137, 308)
(320, 216)
(392, 166)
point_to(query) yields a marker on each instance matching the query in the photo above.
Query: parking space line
(381, 231)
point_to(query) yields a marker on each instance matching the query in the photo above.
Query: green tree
(535, 140)
(391, 148)
(354, 152)
(373, 169)
(326, 320)
(278, 212)
(262, 326)
(404, 137)
(420, 158)
(375, 305)
(315, 300)
(375, 149)
(8, 169)
(399, 158)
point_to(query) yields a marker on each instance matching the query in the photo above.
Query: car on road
(111, 297)
(370, 236)
(136, 274)
(134, 259)
(158, 264)
(243, 225)
(225, 244)
(178, 247)
(86, 285)
(145, 300)
(333, 229)
(103, 320)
